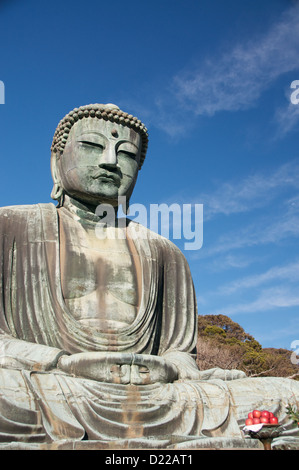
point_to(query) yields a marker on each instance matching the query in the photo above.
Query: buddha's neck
(83, 211)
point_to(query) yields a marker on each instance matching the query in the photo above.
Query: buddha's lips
(104, 174)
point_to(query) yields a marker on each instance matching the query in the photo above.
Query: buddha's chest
(99, 277)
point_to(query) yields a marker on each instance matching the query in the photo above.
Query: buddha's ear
(57, 191)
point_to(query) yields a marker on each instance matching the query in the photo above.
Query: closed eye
(91, 144)
(126, 152)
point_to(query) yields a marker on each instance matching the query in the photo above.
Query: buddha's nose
(108, 157)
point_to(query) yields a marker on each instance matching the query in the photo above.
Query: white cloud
(237, 79)
(230, 260)
(231, 81)
(289, 330)
(275, 192)
(266, 230)
(269, 299)
(287, 118)
(256, 190)
(289, 272)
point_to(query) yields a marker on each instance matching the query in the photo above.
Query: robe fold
(39, 404)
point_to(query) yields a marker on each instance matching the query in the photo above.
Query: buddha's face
(100, 161)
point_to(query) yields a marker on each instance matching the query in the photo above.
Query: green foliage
(293, 414)
(212, 330)
(253, 344)
(233, 342)
(255, 361)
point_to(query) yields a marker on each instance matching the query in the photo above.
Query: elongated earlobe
(57, 192)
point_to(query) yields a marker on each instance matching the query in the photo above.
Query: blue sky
(212, 82)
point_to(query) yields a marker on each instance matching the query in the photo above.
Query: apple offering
(260, 417)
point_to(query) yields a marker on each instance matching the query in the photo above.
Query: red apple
(265, 414)
(273, 420)
(249, 422)
(270, 415)
(250, 415)
(264, 419)
(256, 413)
(256, 420)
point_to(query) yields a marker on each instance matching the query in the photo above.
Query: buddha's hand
(120, 368)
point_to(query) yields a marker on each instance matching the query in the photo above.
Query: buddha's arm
(19, 354)
(188, 370)
(179, 325)
(222, 374)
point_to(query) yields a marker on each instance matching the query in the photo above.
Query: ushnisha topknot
(108, 112)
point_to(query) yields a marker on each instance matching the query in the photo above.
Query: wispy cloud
(240, 246)
(233, 261)
(236, 80)
(271, 200)
(265, 230)
(268, 299)
(254, 191)
(230, 81)
(290, 330)
(287, 118)
(243, 195)
(278, 274)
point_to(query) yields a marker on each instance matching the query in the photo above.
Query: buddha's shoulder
(25, 211)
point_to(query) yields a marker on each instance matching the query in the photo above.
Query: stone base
(141, 444)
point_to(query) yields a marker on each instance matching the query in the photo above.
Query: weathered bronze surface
(98, 334)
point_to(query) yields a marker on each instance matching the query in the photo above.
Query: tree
(224, 343)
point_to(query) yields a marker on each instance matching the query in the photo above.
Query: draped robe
(40, 405)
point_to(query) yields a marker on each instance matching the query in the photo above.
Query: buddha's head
(97, 151)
